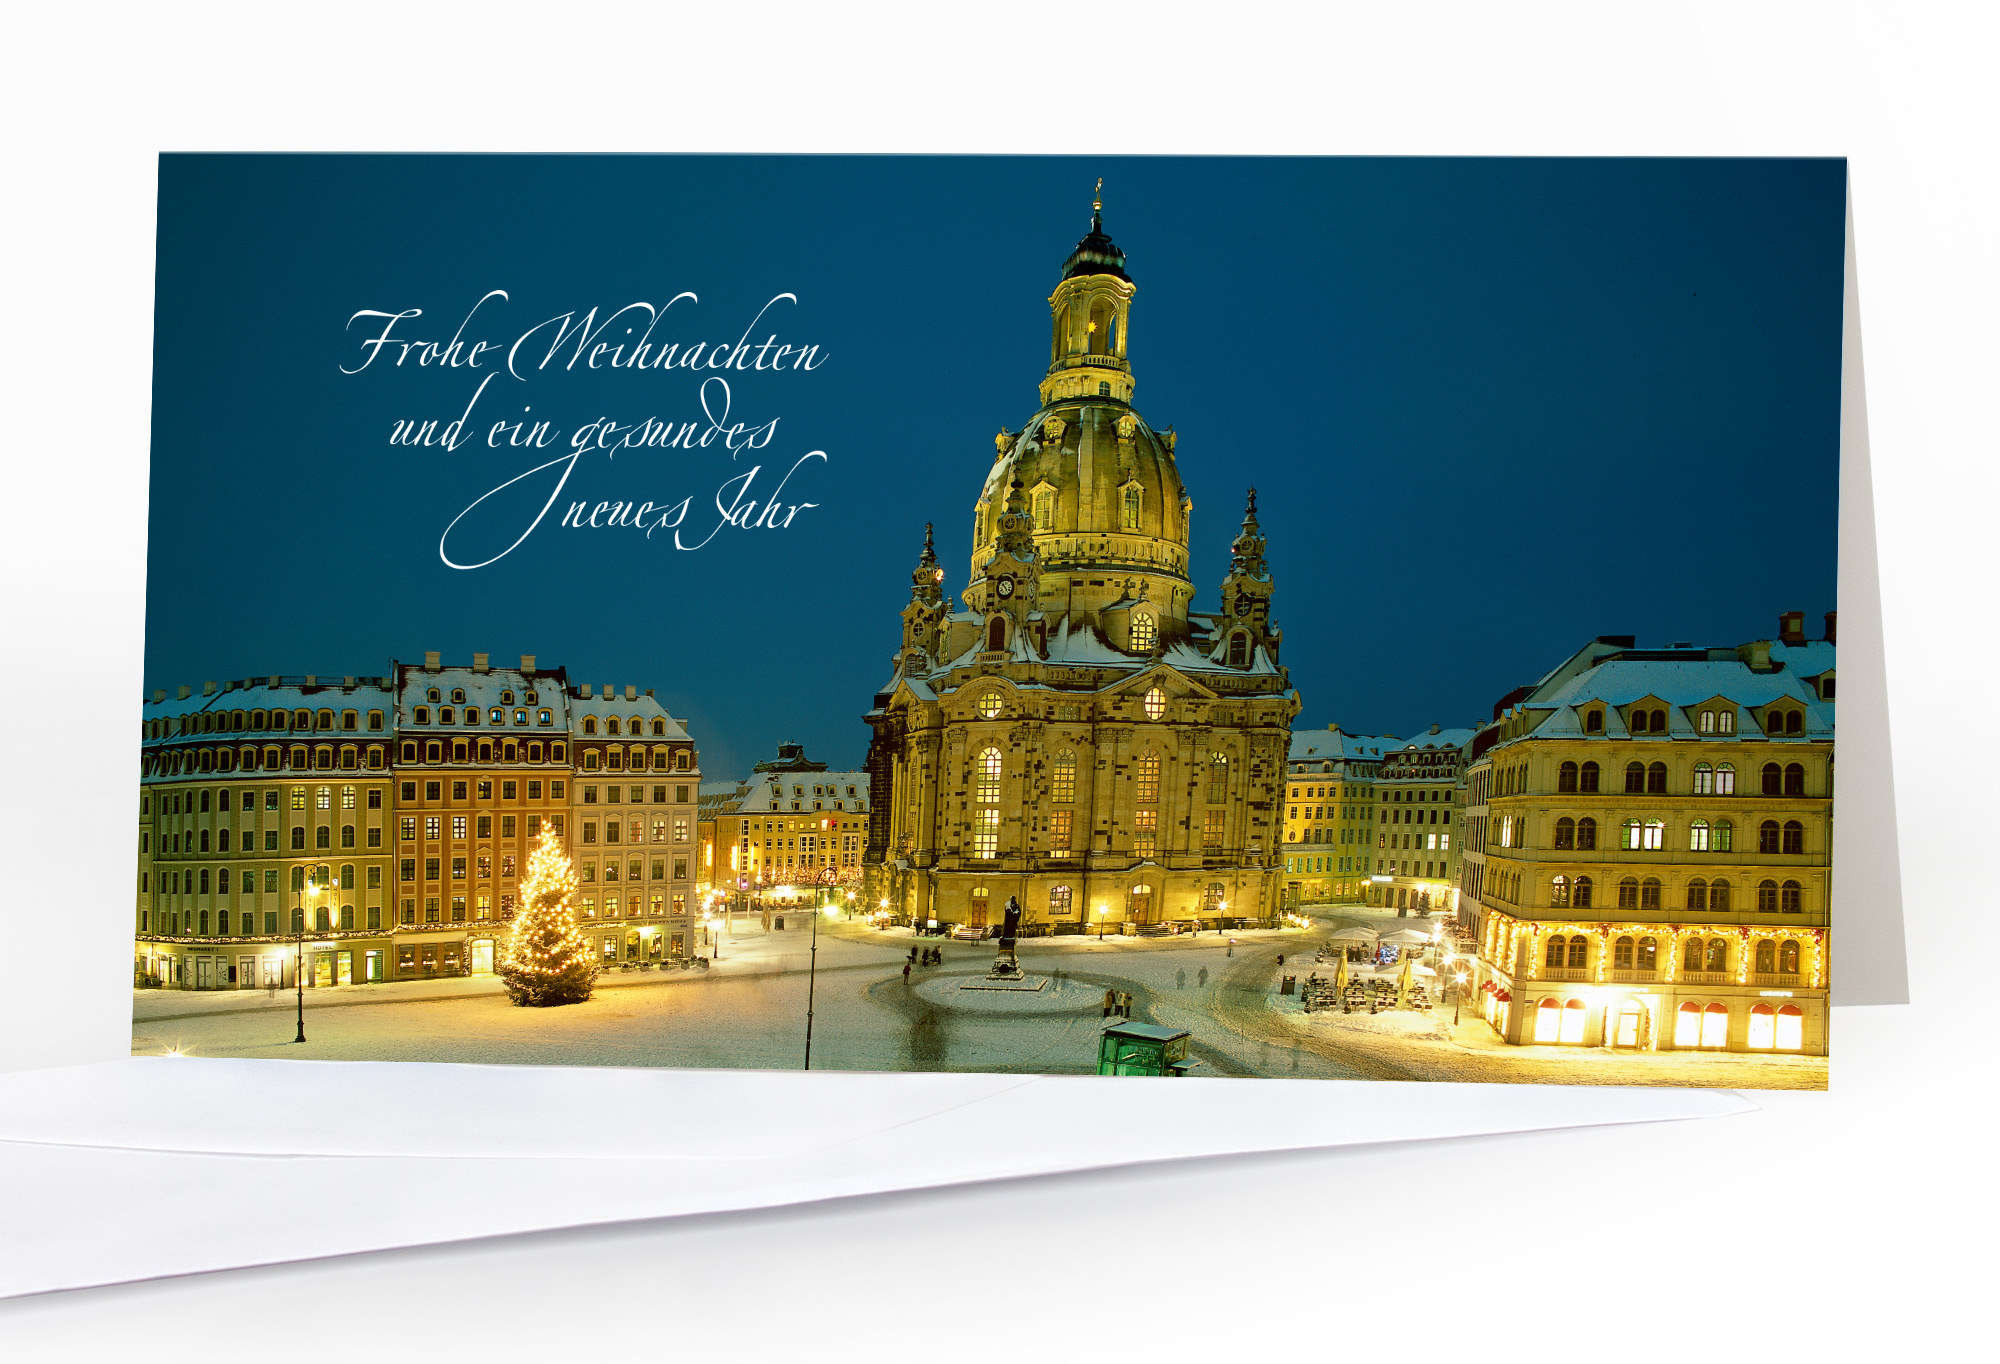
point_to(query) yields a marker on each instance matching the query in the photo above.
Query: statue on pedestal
(1006, 966)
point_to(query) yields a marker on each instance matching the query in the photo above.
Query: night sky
(1493, 408)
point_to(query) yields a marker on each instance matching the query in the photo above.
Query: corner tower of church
(1077, 736)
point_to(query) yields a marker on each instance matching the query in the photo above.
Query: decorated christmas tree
(545, 960)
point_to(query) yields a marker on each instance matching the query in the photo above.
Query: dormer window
(506, 698)
(1145, 631)
(1593, 722)
(458, 695)
(423, 715)
(496, 716)
(447, 716)
(432, 695)
(530, 697)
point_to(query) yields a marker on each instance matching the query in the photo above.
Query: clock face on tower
(1006, 587)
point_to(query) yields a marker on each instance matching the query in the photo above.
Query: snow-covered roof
(1334, 744)
(1810, 659)
(1443, 738)
(1680, 686)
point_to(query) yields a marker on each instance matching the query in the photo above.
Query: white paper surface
(160, 1166)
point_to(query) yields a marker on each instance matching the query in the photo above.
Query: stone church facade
(1071, 732)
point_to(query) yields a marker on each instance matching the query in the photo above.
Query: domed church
(1073, 733)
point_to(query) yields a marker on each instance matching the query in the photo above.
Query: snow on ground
(749, 1009)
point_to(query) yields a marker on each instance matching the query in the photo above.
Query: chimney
(1434, 728)
(1829, 625)
(312, 679)
(479, 663)
(649, 693)
(1792, 627)
(347, 682)
(528, 663)
(631, 692)
(1756, 654)
(607, 691)
(431, 661)
(273, 681)
(185, 693)
(159, 696)
(208, 689)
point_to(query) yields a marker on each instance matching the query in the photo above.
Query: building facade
(1330, 815)
(791, 822)
(1656, 853)
(1072, 733)
(378, 828)
(1419, 833)
(634, 805)
(264, 808)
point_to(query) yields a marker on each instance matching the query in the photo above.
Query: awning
(1503, 998)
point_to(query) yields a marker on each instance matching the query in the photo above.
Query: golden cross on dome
(1097, 199)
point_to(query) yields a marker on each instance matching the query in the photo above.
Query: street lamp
(310, 887)
(812, 979)
(1457, 994)
(1100, 923)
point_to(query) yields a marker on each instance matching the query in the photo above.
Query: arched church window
(1155, 703)
(1131, 505)
(1145, 631)
(986, 777)
(1062, 786)
(996, 634)
(1045, 511)
(1149, 778)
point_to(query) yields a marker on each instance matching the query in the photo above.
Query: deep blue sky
(1493, 408)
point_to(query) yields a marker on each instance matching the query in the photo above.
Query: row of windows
(1639, 835)
(183, 761)
(198, 841)
(1770, 1029)
(447, 715)
(1778, 720)
(463, 750)
(614, 830)
(1787, 779)
(184, 802)
(634, 870)
(1780, 956)
(480, 826)
(1703, 895)
(988, 768)
(237, 721)
(633, 725)
(192, 881)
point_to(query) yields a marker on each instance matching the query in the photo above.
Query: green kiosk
(1143, 1049)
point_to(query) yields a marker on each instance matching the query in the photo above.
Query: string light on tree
(545, 960)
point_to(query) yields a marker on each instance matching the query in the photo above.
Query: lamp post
(1100, 923)
(299, 962)
(812, 979)
(1457, 995)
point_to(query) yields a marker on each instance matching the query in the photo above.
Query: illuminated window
(1061, 823)
(1687, 1025)
(1548, 1021)
(1145, 632)
(989, 704)
(1062, 784)
(1791, 1029)
(1211, 829)
(1573, 1015)
(1704, 777)
(1145, 832)
(986, 777)
(1132, 508)
(986, 833)
(1155, 703)
(1218, 778)
(1149, 778)
(1763, 1031)
(1559, 891)
(1059, 900)
(1698, 836)
(1725, 722)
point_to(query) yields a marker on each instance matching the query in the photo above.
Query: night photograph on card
(1361, 619)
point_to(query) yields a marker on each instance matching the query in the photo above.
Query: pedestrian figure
(906, 973)
(1110, 1002)
(1232, 948)
(1281, 959)
(913, 954)
(1201, 977)
(1180, 979)
(1125, 1004)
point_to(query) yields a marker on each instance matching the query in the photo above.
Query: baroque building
(1071, 732)
(376, 828)
(791, 822)
(1330, 814)
(1654, 870)
(1421, 823)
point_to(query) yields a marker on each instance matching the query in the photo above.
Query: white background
(1859, 1220)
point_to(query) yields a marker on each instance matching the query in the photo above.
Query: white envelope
(160, 1166)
